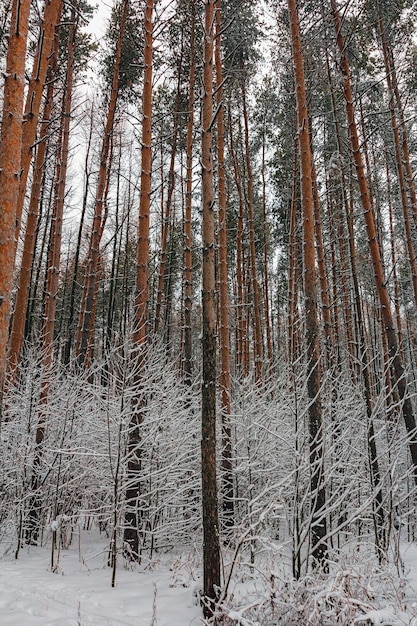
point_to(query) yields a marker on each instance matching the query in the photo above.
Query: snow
(160, 593)
(164, 591)
(384, 617)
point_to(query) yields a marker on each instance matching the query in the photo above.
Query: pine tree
(85, 338)
(10, 163)
(211, 541)
(374, 247)
(317, 488)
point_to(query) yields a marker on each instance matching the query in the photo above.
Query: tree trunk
(340, 204)
(51, 19)
(294, 341)
(256, 309)
(134, 464)
(52, 278)
(211, 545)
(381, 285)
(54, 251)
(391, 73)
(397, 306)
(226, 460)
(399, 161)
(85, 336)
(22, 295)
(317, 488)
(162, 290)
(187, 273)
(241, 363)
(74, 282)
(322, 272)
(10, 163)
(266, 253)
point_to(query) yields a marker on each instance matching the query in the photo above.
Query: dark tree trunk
(211, 545)
(317, 488)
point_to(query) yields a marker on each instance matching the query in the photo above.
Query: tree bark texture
(134, 464)
(224, 378)
(317, 489)
(10, 163)
(142, 287)
(211, 545)
(22, 295)
(294, 340)
(51, 18)
(399, 158)
(380, 281)
(187, 257)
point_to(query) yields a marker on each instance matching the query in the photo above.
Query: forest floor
(79, 592)
(160, 592)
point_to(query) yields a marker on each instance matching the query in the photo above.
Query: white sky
(97, 26)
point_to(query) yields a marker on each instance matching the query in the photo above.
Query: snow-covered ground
(161, 593)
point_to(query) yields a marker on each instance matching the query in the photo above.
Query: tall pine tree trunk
(266, 255)
(211, 544)
(52, 278)
(317, 488)
(241, 364)
(399, 161)
(140, 335)
(293, 339)
(75, 278)
(10, 164)
(322, 272)
(256, 309)
(85, 337)
(163, 278)
(187, 259)
(51, 18)
(380, 281)
(22, 295)
(224, 379)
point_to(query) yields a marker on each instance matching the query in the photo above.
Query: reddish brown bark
(391, 72)
(51, 18)
(381, 285)
(224, 379)
(22, 295)
(317, 489)
(10, 162)
(142, 287)
(322, 272)
(134, 464)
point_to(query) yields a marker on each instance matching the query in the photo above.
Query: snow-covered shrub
(357, 590)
